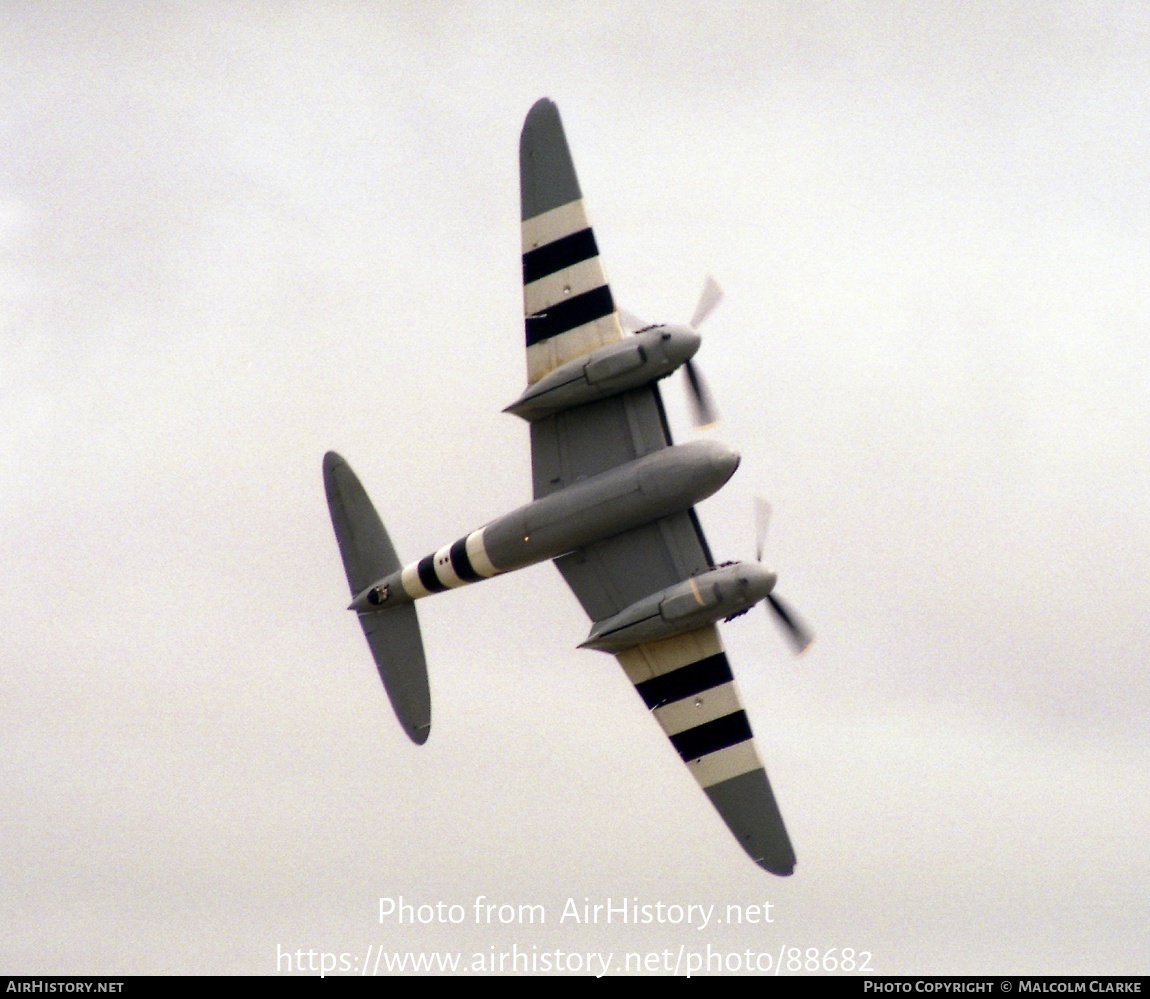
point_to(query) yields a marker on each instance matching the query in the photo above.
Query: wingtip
(544, 113)
(546, 173)
(419, 733)
(777, 869)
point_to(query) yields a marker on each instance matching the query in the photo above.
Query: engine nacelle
(633, 361)
(700, 600)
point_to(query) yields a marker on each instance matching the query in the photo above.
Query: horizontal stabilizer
(397, 647)
(393, 634)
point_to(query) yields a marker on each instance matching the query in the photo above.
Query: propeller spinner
(704, 412)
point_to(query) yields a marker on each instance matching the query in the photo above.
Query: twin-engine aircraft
(614, 508)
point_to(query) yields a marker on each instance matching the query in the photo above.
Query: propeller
(704, 412)
(710, 297)
(703, 409)
(762, 521)
(798, 633)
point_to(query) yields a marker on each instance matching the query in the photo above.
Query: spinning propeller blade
(797, 632)
(800, 637)
(711, 295)
(703, 408)
(762, 521)
(704, 412)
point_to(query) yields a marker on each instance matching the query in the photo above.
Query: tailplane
(393, 634)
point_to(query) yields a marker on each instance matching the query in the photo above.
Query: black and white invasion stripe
(565, 305)
(688, 685)
(567, 302)
(465, 561)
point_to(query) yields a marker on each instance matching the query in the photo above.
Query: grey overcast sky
(233, 236)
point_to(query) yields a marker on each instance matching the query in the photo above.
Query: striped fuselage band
(427, 576)
(454, 565)
(461, 563)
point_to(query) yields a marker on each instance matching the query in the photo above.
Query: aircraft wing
(685, 681)
(567, 303)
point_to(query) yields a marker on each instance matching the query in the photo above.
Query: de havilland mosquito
(614, 508)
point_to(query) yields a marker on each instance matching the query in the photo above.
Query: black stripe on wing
(686, 681)
(564, 252)
(712, 736)
(569, 314)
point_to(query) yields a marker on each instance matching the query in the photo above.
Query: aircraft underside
(614, 508)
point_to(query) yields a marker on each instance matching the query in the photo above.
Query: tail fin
(393, 634)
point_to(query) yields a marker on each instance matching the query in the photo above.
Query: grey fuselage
(660, 484)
